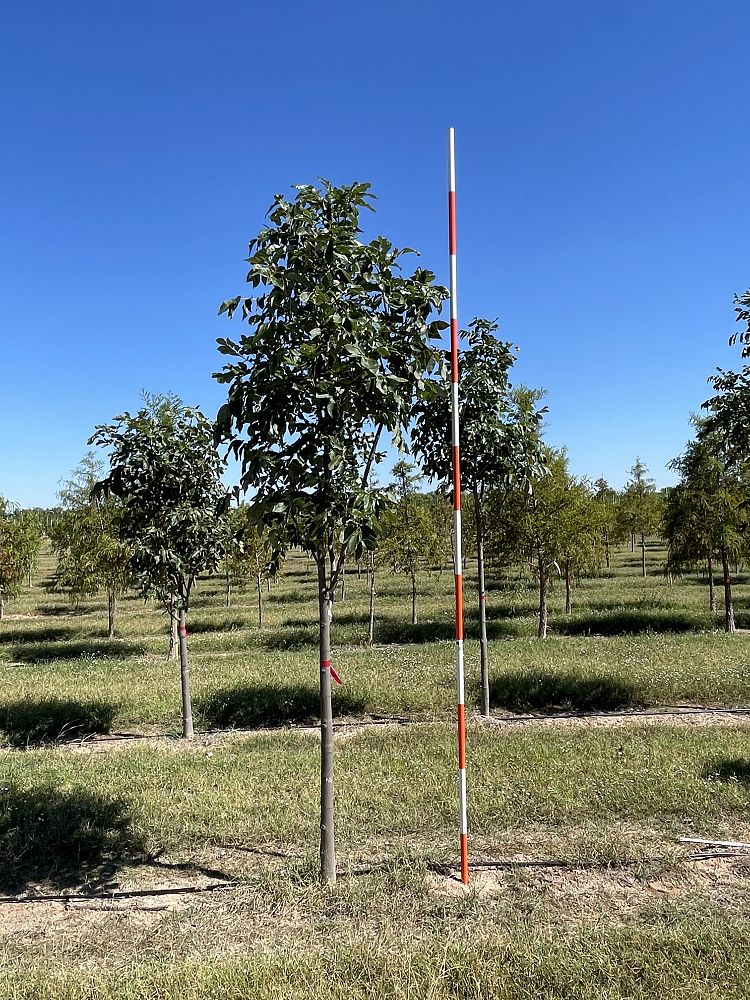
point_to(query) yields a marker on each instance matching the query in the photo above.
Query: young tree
(500, 443)
(408, 539)
(166, 473)
(610, 521)
(248, 553)
(86, 538)
(640, 508)
(339, 346)
(19, 545)
(558, 524)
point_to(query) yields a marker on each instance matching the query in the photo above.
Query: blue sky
(602, 195)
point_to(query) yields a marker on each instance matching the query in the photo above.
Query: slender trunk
(2, 605)
(111, 610)
(373, 594)
(643, 554)
(229, 588)
(542, 630)
(413, 597)
(172, 652)
(327, 834)
(711, 587)
(606, 547)
(30, 584)
(259, 581)
(632, 541)
(568, 587)
(359, 571)
(187, 707)
(343, 584)
(484, 658)
(728, 605)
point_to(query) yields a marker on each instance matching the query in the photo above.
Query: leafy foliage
(340, 344)
(166, 473)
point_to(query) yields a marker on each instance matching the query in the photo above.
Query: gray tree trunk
(606, 546)
(187, 707)
(343, 584)
(711, 586)
(484, 656)
(371, 611)
(542, 630)
(643, 554)
(259, 580)
(568, 588)
(413, 597)
(111, 611)
(172, 652)
(729, 625)
(632, 541)
(229, 589)
(2, 606)
(327, 833)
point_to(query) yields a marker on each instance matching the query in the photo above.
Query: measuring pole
(457, 510)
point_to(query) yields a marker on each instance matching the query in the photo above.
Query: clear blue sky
(602, 195)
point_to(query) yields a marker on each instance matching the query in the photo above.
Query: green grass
(584, 817)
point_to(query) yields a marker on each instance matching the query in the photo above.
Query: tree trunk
(568, 587)
(606, 546)
(327, 834)
(728, 605)
(413, 597)
(268, 584)
(643, 554)
(111, 610)
(259, 580)
(343, 584)
(187, 707)
(172, 652)
(542, 630)
(229, 589)
(373, 594)
(711, 587)
(2, 605)
(484, 657)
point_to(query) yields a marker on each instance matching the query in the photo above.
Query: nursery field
(134, 864)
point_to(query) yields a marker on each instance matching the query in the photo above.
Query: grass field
(135, 865)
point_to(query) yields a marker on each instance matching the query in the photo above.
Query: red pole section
(457, 511)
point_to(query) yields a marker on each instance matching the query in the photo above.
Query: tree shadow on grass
(630, 622)
(54, 720)
(224, 625)
(92, 649)
(388, 632)
(550, 691)
(295, 596)
(293, 638)
(265, 706)
(65, 610)
(735, 769)
(63, 838)
(50, 633)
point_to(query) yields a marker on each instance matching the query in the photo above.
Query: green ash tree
(339, 347)
(166, 473)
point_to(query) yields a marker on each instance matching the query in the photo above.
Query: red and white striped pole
(457, 510)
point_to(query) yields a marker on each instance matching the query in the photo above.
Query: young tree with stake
(339, 347)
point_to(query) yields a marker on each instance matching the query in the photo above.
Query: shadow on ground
(625, 622)
(44, 652)
(557, 691)
(266, 706)
(51, 633)
(63, 838)
(54, 720)
(200, 627)
(729, 769)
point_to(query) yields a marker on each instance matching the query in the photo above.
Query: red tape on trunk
(326, 665)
